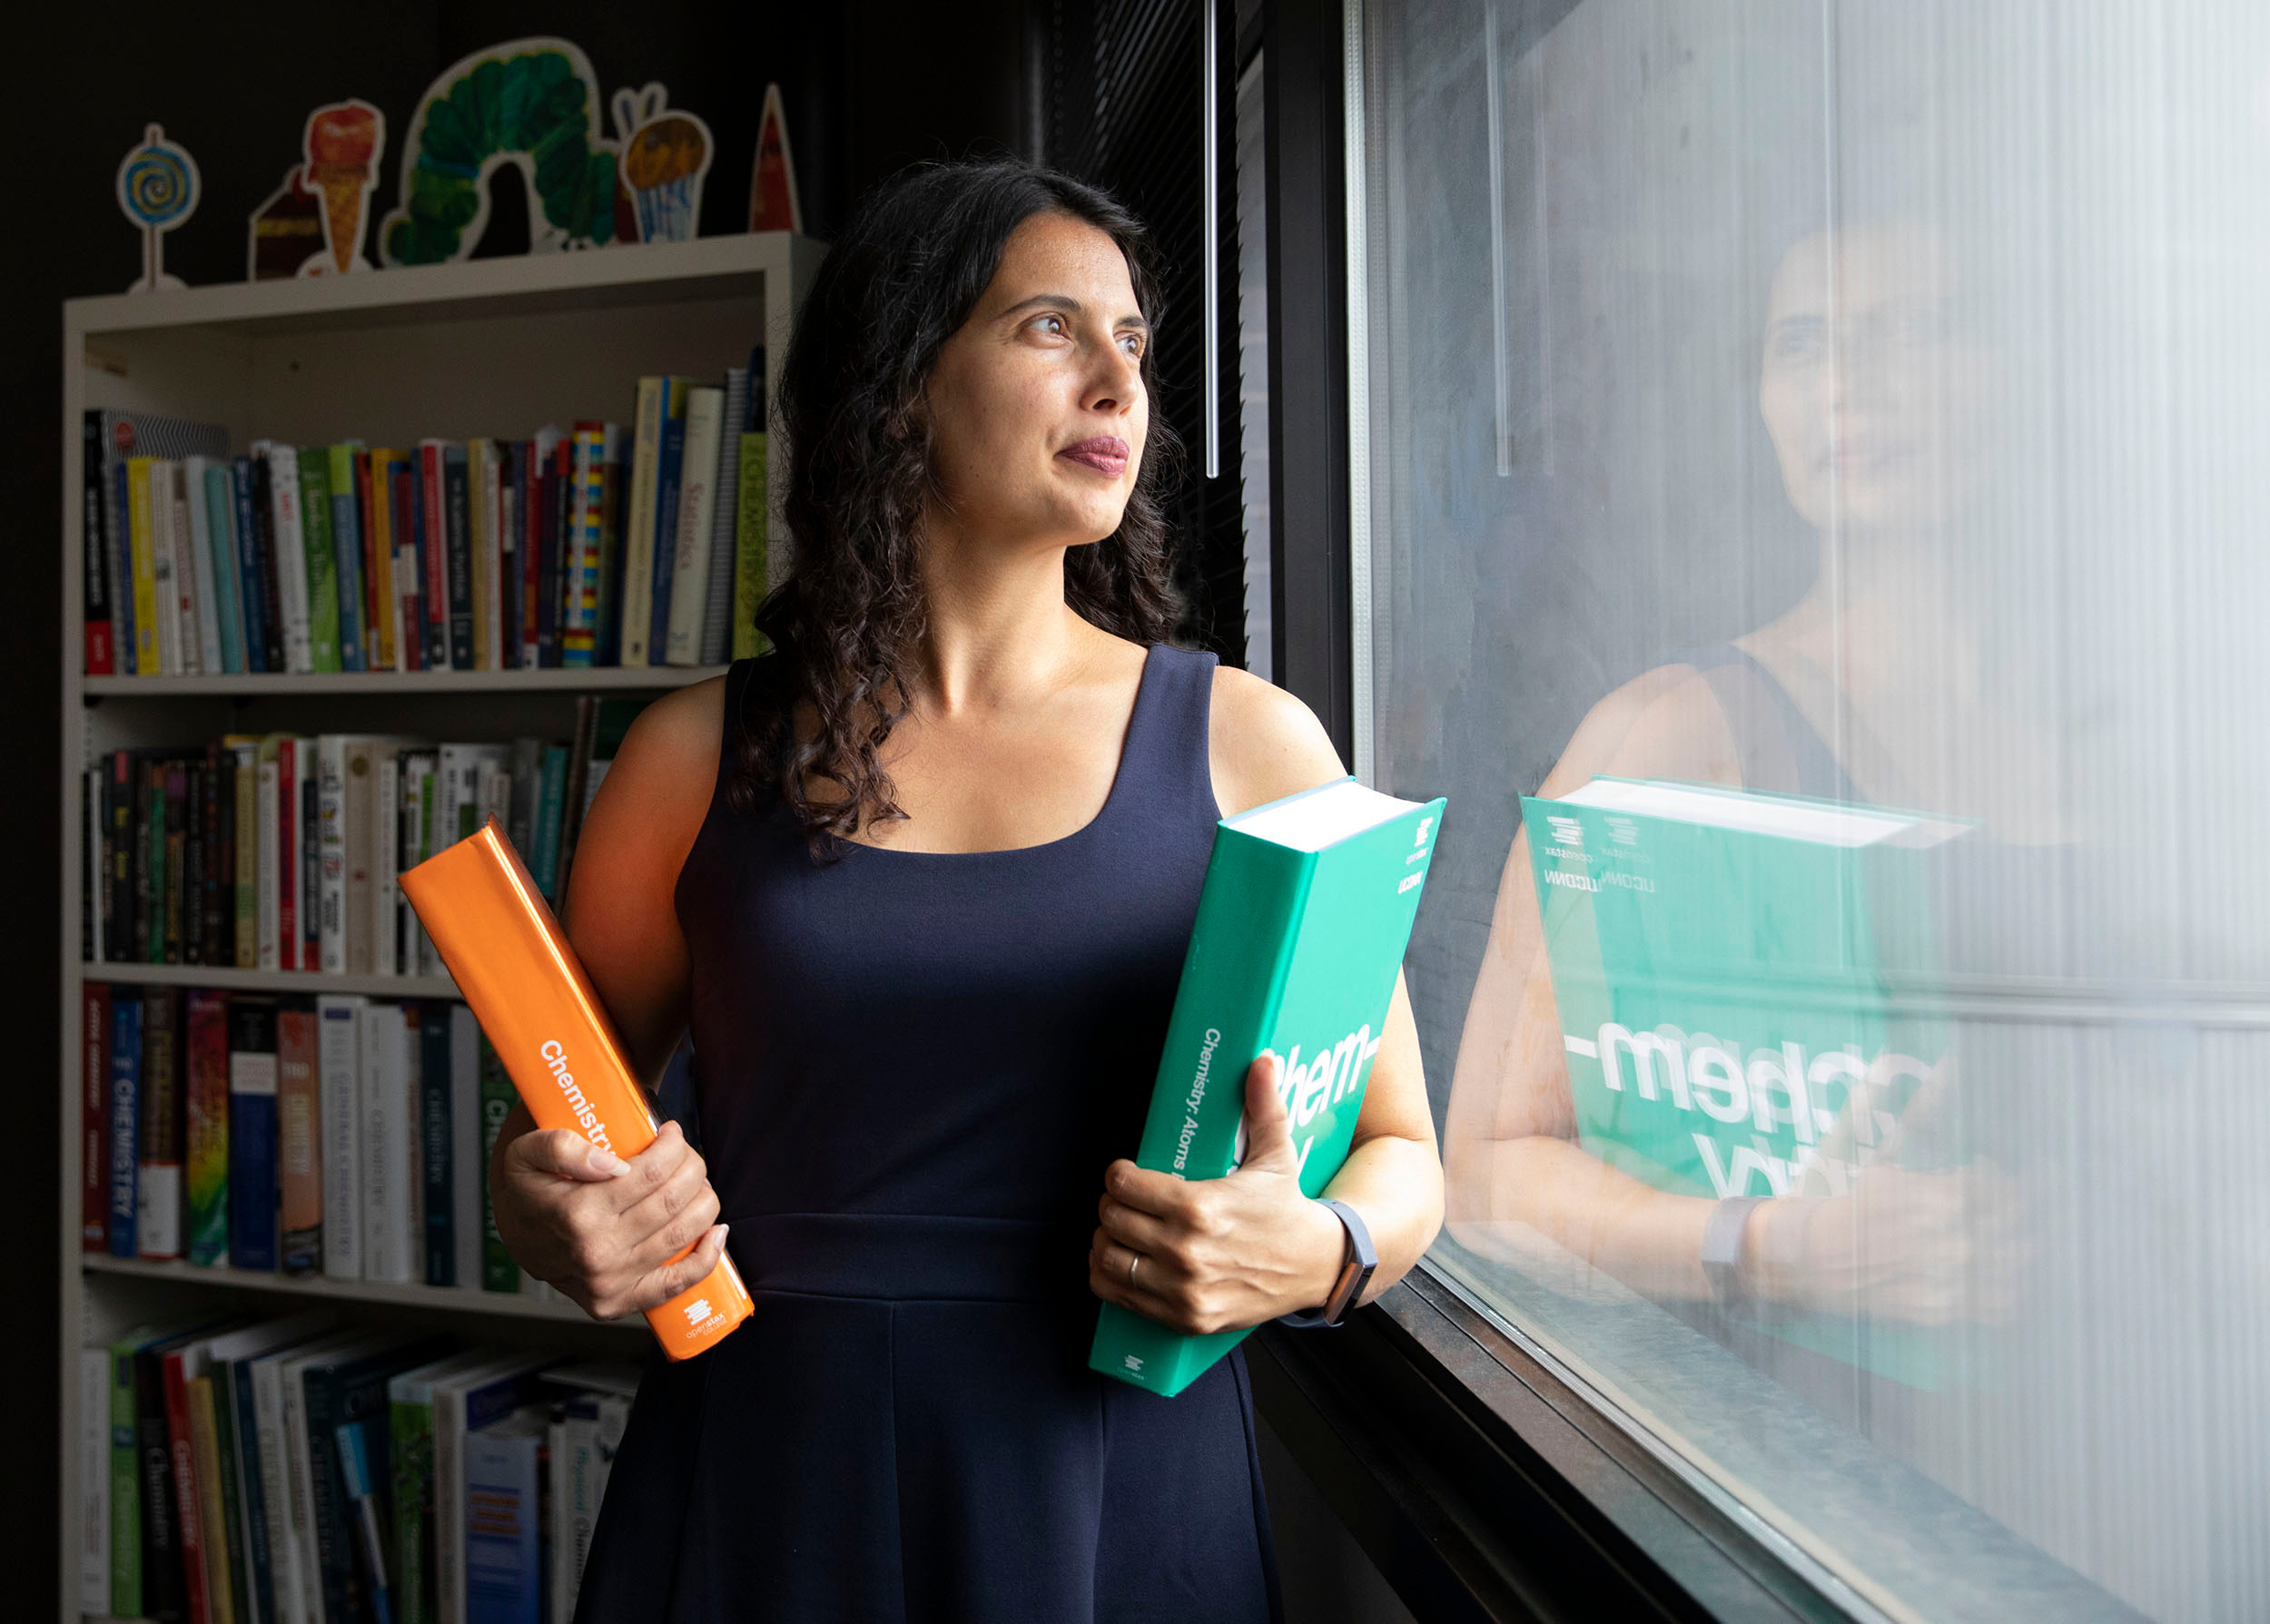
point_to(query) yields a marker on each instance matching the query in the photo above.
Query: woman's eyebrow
(1065, 302)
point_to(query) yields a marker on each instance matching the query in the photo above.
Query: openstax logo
(697, 1311)
(1566, 832)
(1134, 1363)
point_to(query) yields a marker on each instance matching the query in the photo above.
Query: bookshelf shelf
(584, 680)
(487, 349)
(448, 1298)
(229, 979)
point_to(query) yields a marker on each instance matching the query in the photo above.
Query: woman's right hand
(601, 1229)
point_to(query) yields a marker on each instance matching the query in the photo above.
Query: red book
(94, 1150)
(287, 854)
(411, 629)
(187, 1507)
(436, 507)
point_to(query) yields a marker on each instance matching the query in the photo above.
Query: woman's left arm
(1212, 1255)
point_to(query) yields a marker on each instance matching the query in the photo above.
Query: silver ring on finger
(1133, 1263)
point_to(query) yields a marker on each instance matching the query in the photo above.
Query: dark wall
(867, 87)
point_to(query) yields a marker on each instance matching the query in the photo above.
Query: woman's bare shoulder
(1264, 743)
(1666, 722)
(666, 771)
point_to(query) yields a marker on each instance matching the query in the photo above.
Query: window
(1817, 445)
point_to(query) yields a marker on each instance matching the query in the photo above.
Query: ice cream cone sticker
(773, 205)
(157, 188)
(665, 157)
(342, 145)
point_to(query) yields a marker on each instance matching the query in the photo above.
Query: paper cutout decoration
(342, 145)
(531, 103)
(773, 205)
(313, 224)
(286, 231)
(665, 157)
(158, 188)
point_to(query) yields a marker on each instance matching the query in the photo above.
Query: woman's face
(1037, 403)
(1874, 398)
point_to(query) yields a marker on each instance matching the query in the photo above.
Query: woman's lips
(1107, 456)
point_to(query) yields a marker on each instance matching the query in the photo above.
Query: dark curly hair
(901, 279)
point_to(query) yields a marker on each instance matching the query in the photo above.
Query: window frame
(1484, 1484)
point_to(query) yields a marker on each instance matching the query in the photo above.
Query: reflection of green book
(1745, 988)
(1301, 926)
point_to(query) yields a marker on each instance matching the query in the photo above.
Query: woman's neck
(997, 629)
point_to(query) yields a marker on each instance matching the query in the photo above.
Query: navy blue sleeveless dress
(912, 1069)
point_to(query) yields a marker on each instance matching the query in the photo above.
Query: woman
(922, 881)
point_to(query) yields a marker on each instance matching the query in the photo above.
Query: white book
(339, 1060)
(386, 835)
(365, 825)
(389, 1134)
(161, 566)
(468, 1158)
(94, 1481)
(457, 797)
(696, 525)
(268, 878)
(636, 607)
(274, 1379)
(462, 1402)
(331, 834)
(288, 528)
(201, 548)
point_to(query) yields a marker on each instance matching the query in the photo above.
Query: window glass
(1813, 454)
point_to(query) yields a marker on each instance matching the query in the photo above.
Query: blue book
(347, 542)
(220, 498)
(253, 599)
(122, 571)
(1306, 908)
(433, 1115)
(126, 1180)
(669, 468)
(503, 1557)
(342, 1393)
(253, 1185)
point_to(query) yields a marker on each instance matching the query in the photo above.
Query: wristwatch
(1721, 1247)
(1356, 1270)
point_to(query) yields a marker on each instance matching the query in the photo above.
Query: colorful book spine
(205, 547)
(586, 521)
(348, 553)
(158, 1217)
(299, 1141)
(751, 562)
(140, 518)
(330, 769)
(433, 549)
(253, 1147)
(220, 498)
(553, 491)
(457, 518)
(206, 1031)
(322, 559)
(94, 1059)
(404, 512)
(504, 1568)
(288, 533)
(95, 553)
(125, 1122)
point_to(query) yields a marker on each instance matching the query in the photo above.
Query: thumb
(1268, 1130)
(569, 1154)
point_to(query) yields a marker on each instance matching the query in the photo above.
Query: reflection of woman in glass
(1868, 689)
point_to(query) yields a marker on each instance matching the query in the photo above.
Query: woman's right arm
(601, 1229)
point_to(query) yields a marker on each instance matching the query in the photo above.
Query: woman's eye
(1054, 325)
(1132, 343)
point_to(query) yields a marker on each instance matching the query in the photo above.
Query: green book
(315, 527)
(1745, 985)
(409, 1426)
(551, 794)
(500, 1271)
(1306, 911)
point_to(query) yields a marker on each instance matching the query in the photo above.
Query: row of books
(280, 850)
(340, 1137)
(569, 548)
(302, 1471)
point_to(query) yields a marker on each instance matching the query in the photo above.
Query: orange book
(523, 983)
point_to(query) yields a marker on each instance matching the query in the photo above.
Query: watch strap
(1358, 1260)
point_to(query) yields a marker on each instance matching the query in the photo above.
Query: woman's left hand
(1219, 1254)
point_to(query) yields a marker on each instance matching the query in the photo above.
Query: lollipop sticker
(157, 188)
(665, 156)
(343, 143)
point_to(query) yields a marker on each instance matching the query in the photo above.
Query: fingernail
(608, 1163)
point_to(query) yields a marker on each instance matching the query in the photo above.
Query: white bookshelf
(489, 348)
